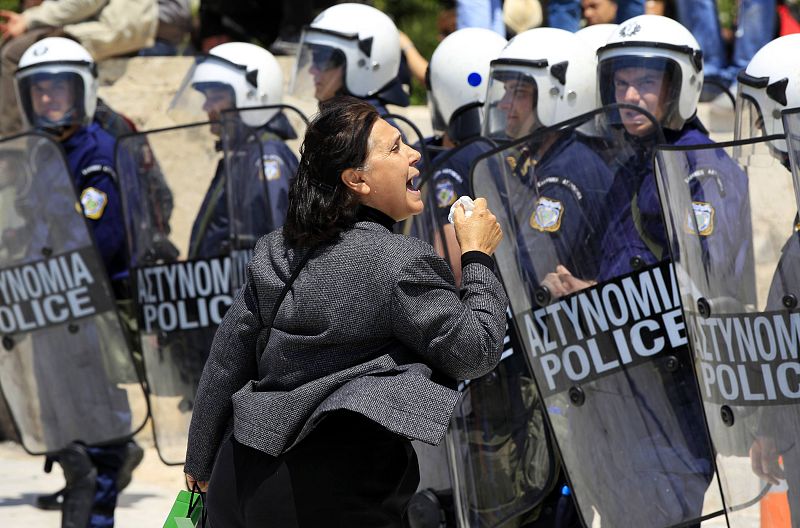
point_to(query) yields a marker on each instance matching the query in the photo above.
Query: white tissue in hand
(468, 204)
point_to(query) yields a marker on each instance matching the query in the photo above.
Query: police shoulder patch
(445, 193)
(94, 202)
(547, 215)
(703, 218)
(270, 168)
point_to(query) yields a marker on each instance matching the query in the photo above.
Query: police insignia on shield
(703, 219)
(546, 217)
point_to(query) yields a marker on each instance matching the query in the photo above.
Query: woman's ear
(354, 180)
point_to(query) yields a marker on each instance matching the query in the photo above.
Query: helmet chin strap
(61, 129)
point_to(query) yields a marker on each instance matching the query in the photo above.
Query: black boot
(81, 476)
(52, 501)
(133, 457)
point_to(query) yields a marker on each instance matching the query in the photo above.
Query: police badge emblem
(94, 203)
(629, 30)
(547, 215)
(703, 218)
(271, 168)
(445, 193)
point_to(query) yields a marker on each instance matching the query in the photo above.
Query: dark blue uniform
(260, 168)
(90, 157)
(450, 178)
(719, 193)
(653, 412)
(557, 203)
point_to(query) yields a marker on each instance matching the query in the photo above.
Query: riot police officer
(540, 80)
(242, 85)
(767, 88)
(350, 49)
(655, 64)
(543, 77)
(457, 78)
(57, 89)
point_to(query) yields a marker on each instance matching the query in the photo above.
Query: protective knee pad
(81, 476)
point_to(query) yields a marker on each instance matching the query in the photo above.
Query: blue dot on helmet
(474, 79)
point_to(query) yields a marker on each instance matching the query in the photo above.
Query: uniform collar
(79, 136)
(281, 127)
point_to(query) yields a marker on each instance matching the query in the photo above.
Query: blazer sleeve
(461, 336)
(230, 365)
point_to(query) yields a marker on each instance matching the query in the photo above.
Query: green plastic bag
(186, 510)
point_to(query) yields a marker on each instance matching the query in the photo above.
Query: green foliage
(417, 19)
(13, 5)
(727, 13)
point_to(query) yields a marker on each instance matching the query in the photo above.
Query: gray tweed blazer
(360, 329)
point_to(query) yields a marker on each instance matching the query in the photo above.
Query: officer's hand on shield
(764, 460)
(563, 282)
(479, 232)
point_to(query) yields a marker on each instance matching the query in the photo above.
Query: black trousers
(348, 472)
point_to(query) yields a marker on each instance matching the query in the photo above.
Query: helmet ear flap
(252, 78)
(366, 46)
(777, 91)
(697, 59)
(559, 71)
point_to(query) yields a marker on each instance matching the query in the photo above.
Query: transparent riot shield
(66, 368)
(498, 452)
(261, 148)
(594, 297)
(180, 261)
(718, 116)
(731, 215)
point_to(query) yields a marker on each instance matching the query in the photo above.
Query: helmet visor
(51, 99)
(749, 118)
(207, 90)
(652, 83)
(510, 105)
(319, 72)
(751, 122)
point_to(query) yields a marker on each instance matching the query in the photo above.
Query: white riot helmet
(55, 65)
(349, 49)
(596, 36)
(769, 85)
(658, 43)
(539, 79)
(251, 73)
(457, 78)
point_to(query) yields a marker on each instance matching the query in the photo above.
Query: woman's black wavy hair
(320, 206)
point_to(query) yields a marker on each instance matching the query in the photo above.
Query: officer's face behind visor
(646, 83)
(326, 66)
(516, 110)
(53, 99)
(218, 98)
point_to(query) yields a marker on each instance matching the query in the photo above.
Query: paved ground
(143, 504)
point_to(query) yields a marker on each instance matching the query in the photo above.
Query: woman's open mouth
(411, 185)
